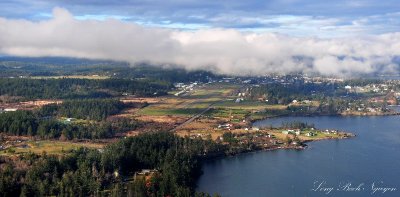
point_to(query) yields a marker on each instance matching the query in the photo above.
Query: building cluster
(259, 139)
(298, 132)
(185, 88)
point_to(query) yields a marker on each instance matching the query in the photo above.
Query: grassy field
(74, 120)
(222, 112)
(194, 103)
(219, 96)
(242, 105)
(50, 147)
(152, 111)
(319, 135)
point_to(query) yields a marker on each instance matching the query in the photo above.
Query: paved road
(198, 115)
(194, 117)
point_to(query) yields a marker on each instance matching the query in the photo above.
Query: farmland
(205, 111)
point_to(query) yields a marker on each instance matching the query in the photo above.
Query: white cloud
(224, 50)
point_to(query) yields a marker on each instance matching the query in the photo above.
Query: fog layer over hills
(224, 51)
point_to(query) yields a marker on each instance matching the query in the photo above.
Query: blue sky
(320, 18)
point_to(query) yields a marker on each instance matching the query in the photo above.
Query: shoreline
(252, 120)
(302, 146)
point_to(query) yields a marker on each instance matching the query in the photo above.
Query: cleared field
(162, 119)
(140, 100)
(164, 112)
(222, 112)
(50, 147)
(74, 120)
(190, 105)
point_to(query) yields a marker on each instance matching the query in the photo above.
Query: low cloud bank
(224, 51)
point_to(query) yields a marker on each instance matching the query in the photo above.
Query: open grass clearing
(50, 147)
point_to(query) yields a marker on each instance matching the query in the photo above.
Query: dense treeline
(327, 106)
(19, 123)
(89, 109)
(362, 82)
(79, 88)
(56, 66)
(87, 172)
(33, 124)
(166, 74)
(283, 94)
(332, 97)
(296, 125)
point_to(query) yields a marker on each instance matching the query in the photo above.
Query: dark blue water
(372, 157)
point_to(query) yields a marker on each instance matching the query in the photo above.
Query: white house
(309, 134)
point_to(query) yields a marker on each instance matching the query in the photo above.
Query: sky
(342, 37)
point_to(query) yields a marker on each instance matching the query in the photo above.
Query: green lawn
(163, 112)
(226, 113)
